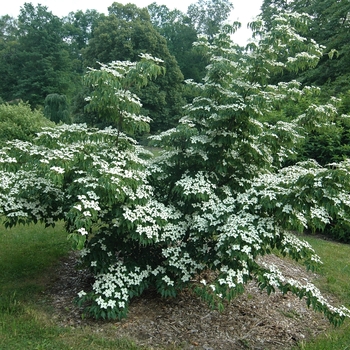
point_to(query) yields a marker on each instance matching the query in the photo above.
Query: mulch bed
(253, 320)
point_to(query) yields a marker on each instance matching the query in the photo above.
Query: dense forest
(43, 57)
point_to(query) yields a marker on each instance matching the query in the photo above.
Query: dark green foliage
(328, 145)
(8, 53)
(180, 34)
(79, 112)
(181, 30)
(340, 231)
(123, 35)
(79, 26)
(56, 108)
(35, 60)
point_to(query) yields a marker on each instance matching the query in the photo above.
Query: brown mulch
(253, 320)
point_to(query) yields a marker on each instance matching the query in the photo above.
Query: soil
(253, 320)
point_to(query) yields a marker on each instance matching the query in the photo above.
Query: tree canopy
(180, 34)
(37, 62)
(207, 16)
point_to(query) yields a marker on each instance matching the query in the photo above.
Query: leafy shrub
(217, 198)
(339, 231)
(20, 122)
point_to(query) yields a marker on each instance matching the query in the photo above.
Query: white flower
(149, 57)
(78, 207)
(81, 294)
(111, 303)
(57, 169)
(82, 231)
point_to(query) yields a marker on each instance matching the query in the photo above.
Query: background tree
(9, 47)
(123, 35)
(56, 108)
(181, 31)
(41, 64)
(207, 16)
(78, 28)
(180, 34)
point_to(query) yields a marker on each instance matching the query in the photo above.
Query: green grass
(26, 257)
(27, 251)
(155, 150)
(334, 279)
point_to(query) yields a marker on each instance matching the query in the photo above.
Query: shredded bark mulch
(253, 320)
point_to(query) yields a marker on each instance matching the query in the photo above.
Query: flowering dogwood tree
(218, 198)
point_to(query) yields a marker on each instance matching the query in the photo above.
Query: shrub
(217, 198)
(20, 122)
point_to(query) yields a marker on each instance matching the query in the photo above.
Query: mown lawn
(26, 256)
(334, 279)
